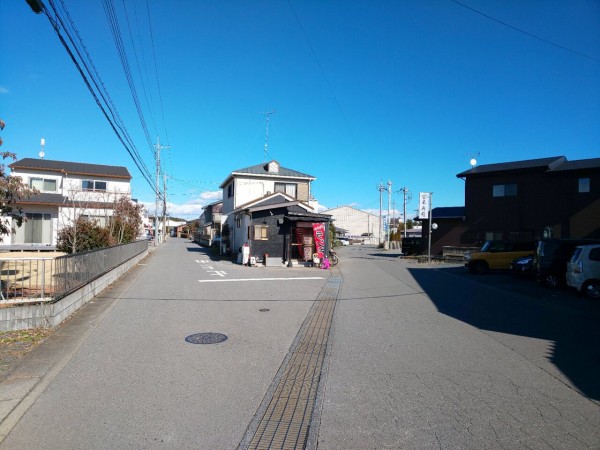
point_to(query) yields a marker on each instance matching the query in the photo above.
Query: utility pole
(405, 193)
(164, 206)
(380, 188)
(430, 220)
(389, 191)
(157, 190)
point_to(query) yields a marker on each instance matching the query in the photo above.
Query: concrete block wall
(50, 315)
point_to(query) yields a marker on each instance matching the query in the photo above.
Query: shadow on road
(207, 252)
(572, 323)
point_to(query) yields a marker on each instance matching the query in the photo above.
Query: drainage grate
(206, 338)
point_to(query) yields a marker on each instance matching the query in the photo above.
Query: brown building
(532, 199)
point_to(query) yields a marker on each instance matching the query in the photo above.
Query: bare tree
(12, 190)
(126, 220)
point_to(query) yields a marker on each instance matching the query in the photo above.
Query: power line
(107, 106)
(337, 102)
(527, 33)
(162, 109)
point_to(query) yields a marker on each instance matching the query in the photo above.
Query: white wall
(356, 222)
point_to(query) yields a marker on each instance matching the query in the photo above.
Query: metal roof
(448, 212)
(26, 164)
(593, 163)
(529, 164)
(44, 198)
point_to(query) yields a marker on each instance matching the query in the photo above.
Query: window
(494, 235)
(43, 184)
(37, 230)
(286, 188)
(261, 233)
(230, 190)
(93, 185)
(504, 190)
(584, 185)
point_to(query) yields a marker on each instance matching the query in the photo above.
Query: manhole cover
(264, 310)
(206, 338)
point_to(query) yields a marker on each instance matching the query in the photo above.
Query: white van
(583, 271)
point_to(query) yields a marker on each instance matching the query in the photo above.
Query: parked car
(551, 258)
(343, 240)
(583, 270)
(522, 266)
(497, 255)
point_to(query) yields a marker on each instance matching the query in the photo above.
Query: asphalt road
(418, 357)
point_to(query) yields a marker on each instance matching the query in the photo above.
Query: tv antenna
(473, 160)
(42, 144)
(267, 114)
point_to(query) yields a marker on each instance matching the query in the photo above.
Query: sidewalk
(31, 374)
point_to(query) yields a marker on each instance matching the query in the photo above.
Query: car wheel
(592, 289)
(478, 268)
(552, 281)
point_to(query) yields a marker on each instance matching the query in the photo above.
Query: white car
(583, 271)
(344, 241)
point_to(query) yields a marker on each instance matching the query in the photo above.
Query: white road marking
(263, 279)
(220, 273)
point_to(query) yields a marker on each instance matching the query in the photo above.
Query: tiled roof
(71, 167)
(262, 170)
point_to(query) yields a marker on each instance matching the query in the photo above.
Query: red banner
(319, 232)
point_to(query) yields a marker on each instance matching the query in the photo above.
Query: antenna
(267, 114)
(42, 144)
(473, 160)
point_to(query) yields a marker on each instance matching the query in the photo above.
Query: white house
(67, 191)
(270, 210)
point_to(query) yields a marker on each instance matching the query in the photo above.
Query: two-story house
(532, 199)
(210, 224)
(270, 210)
(67, 191)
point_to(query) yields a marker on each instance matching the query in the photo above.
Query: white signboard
(424, 204)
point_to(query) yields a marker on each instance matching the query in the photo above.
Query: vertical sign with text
(424, 204)
(319, 232)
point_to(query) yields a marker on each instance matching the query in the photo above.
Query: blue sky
(363, 91)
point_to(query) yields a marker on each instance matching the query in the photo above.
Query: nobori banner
(319, 232)
(424, 204)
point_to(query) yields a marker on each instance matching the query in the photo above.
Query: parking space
(519, 285)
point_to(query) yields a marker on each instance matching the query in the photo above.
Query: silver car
(583, 270)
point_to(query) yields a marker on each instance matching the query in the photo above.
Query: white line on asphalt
(220, 273)
(262, 279)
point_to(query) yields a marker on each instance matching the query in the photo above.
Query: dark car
(522, 266)
(551, 258)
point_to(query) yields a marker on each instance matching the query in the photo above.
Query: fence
(26, 280)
